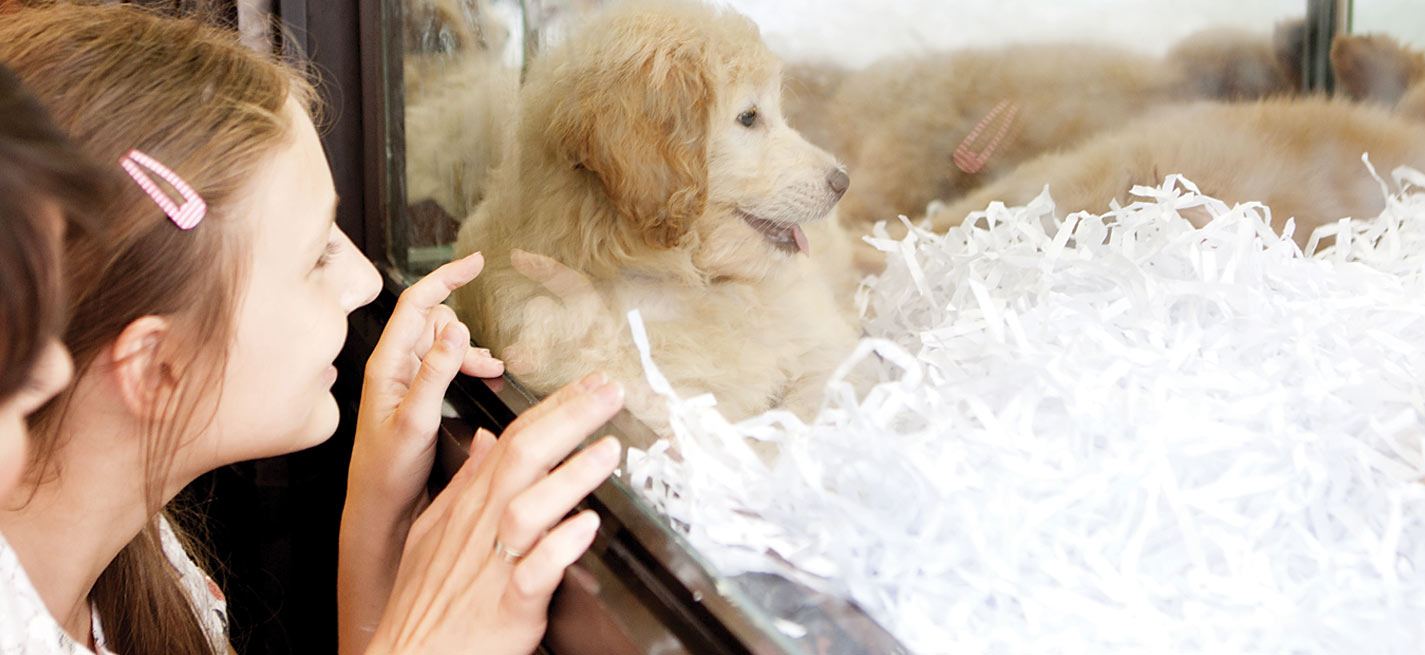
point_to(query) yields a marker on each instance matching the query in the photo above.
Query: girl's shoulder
(26, 626)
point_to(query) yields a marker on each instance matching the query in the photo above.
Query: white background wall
(856, 32)
(1403, 18)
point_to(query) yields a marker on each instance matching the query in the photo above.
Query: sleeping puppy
(653, 170)
(1301, 157)
(939, 125)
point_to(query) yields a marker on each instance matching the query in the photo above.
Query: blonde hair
(117, 78)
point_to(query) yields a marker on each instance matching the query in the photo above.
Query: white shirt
(27, 628)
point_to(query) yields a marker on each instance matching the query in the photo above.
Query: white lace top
(26, 627)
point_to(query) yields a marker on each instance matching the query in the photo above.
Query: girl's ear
(141, 371)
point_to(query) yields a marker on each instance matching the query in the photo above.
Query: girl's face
(304, 278)
(51, 372)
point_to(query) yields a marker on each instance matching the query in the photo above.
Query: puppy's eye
(747, 118)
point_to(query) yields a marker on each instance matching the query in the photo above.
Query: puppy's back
(1300, 157)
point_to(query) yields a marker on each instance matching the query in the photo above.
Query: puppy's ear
(640, 125)
(1374, 67)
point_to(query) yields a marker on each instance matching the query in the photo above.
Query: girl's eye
(747, 118)
(333, 247)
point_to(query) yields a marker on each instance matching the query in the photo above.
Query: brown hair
(38, 165)
(118, 78)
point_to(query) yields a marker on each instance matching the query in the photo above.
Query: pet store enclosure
(1022, 357)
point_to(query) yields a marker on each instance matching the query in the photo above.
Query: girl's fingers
(409, 317)
(480, 446)
(553, 401)
(533, 581)
(436, 319)
(459, 483)
(532, 449)
(537, 508)
(481, 364)
(419, 412)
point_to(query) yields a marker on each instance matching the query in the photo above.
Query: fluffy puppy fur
(898, 122)
(1301, 157)
(653, 170)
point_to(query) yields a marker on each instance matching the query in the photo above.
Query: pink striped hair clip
(186, 215)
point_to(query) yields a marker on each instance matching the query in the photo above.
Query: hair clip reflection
(185, 215)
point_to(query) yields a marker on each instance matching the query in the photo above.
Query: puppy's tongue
(801, 239)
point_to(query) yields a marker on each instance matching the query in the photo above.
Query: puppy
(1301, 157)
(653, 170)
(940, 125)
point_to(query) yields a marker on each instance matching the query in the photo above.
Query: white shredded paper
(1113, 433)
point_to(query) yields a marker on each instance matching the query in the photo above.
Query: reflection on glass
(462, 69)
(718, 179)
(461, 77)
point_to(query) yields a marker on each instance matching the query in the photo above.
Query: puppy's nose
(838, 180)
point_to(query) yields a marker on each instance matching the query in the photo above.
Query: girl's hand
(385, 561)
(482, 562)
(419, 353)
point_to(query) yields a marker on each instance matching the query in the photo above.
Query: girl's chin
(325, 419)
(321, 425)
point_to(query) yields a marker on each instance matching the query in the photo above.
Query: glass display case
(919, 102)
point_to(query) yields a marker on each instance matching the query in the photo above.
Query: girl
(205, 313)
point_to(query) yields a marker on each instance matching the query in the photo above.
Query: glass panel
(1401, 19)
(672, 186)
(461, 70)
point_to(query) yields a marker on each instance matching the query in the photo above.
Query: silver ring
(506, 553)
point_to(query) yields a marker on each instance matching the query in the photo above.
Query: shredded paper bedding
(1113, 433)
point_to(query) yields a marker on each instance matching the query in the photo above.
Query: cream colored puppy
(653, 170)
(1299, 156)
